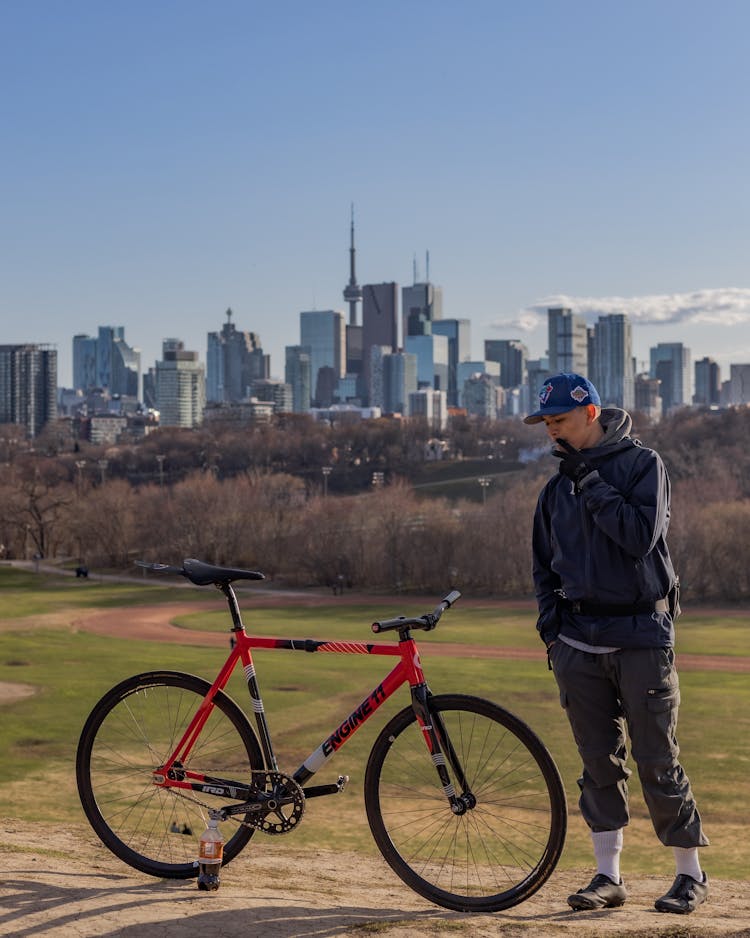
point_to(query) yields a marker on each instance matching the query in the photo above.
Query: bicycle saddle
(203, 574)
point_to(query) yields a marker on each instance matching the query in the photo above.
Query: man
(607, 597)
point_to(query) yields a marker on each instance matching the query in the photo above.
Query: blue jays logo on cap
(561, 393)
(545, 393)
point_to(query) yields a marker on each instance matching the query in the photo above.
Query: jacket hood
(617, 425)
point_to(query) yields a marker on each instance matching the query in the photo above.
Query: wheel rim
(138, 820)
(496, 853)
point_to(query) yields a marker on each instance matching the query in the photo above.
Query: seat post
(226, 588)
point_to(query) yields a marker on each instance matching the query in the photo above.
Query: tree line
(387, 537)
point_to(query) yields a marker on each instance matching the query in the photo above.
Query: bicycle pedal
(342, 782)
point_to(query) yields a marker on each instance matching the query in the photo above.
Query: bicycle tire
(128, 734)
(498, 853)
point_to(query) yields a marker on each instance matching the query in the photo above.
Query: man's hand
(572, 462)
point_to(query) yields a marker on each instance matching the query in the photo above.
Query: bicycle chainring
(285, 804)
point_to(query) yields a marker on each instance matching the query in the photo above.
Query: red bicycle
(464, 801)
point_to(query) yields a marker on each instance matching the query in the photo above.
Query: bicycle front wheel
(131, 731)
(506, 845)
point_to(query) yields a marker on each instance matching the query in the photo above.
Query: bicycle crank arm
(315, 791)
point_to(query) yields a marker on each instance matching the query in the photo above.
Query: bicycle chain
(259, 821)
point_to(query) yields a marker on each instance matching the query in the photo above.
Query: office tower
(84, 362)
(324, 333)
(107, 362)
(28, 386)
(512, 355)
(458, 334)
(297, 374)
(421, 305)
(126, 370)
(354, 356)
(399, 380)
(611, 361)
(469, 369)
(234, 359)
(739, 385)
(432, 360)
(375, 370)
(352, 291)
(431, 405)
(567, 342)
(105, 339)
(379, 322)
(707, 382)
(180, 386)
(670, 363)
(279, 393)
(480, 396)
(647, 397)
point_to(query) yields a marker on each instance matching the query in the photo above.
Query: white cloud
(728, 306)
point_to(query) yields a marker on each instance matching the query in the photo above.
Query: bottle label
(211, 850)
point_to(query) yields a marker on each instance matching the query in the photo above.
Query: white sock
(607, 849)
(688, 864)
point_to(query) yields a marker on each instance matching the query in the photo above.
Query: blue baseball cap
(561, 393)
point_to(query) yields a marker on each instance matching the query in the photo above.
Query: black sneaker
(601, 893)
(685, 895)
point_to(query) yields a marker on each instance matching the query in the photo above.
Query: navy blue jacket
(606, 544)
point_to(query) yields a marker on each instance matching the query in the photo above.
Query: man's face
(574, 425)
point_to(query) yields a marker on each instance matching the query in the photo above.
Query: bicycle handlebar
(426, 622)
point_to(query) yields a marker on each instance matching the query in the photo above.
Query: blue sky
(162, 161)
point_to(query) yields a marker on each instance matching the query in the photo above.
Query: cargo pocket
(654, 741)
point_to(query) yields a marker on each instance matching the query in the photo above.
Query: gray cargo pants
(601, 694)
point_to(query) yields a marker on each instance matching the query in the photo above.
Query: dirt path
(64, 883)
(154, 623)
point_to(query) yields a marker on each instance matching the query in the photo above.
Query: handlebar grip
(451, 598)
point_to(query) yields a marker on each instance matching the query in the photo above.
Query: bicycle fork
(441, 749)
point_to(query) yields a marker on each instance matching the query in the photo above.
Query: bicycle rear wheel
(130, 732)
(500, 851)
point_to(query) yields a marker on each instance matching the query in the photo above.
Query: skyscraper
(28, 386)
(399, 381)
(234, 359)
(324, 334)
(512, 356)
(739, 385)
(180, 386)
(707, 382)
(567, 342)
(84, 362)
(297, 375)
(107, 362)
(611, 366)
(421, 305)
(431, 352)
(670, 363)
(458, 334)
(379, 321)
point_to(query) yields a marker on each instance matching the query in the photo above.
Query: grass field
(307, 695)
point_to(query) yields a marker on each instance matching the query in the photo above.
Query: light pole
(103, 463)
(484, 481)
(160, 459)
(326, 470)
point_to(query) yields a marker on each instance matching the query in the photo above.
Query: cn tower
(352, 291)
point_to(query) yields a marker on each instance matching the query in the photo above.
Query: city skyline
(161, 168)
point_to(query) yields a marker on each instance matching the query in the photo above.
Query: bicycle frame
(408, 669)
